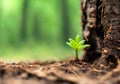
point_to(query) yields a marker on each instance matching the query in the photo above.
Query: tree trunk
(101, 29)
(111, 25)
(92, 28)
(24, 20)
(65, 21)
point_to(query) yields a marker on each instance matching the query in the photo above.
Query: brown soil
(63, 72)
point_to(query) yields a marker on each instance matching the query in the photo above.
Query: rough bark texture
(92, 28)
(111, 25)
(101, 27)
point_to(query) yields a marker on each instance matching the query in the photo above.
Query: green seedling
(77, 44)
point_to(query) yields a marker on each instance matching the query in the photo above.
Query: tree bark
(92, 28)
(111, 26)
(101, 29)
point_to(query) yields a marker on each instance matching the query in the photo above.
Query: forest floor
(62, 72)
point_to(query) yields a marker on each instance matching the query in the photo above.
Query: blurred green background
(38, 29)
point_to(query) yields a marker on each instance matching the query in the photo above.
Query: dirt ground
(62, 72)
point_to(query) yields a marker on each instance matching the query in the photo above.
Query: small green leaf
(82, 42)
(77, 39)
(84, 46)
(69, 44)
(71, 40)
(77, 44)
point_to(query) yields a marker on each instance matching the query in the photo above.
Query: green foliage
(24, 23)
(77, 44)
(41, 16)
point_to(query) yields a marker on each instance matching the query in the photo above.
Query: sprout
(77, 44)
